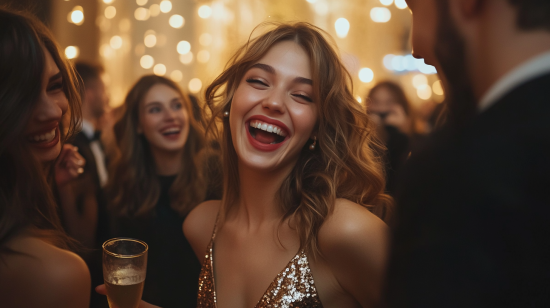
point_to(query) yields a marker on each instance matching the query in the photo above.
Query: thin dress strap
(206, 297)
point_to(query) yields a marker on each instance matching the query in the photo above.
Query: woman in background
(37, 94)
(157, 179)
(297, 225)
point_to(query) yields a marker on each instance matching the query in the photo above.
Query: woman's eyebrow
(269, 69)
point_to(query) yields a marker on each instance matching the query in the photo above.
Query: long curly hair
(345, 164)
(134, 189)
(26, 198)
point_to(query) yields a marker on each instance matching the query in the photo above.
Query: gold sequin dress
(293, 287)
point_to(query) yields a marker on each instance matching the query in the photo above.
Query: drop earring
(226, 114)
(312, 146)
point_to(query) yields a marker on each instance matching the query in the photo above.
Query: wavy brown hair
(134, 189)
(344, 165)
(26, 198)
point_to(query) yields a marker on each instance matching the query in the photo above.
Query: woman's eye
(304, 97)
(256, 81)
(154, 110)
(178, 106)
(56, 86)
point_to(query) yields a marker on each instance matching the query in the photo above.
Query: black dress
(172, 267)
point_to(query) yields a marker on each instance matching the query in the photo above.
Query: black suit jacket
(473, 223)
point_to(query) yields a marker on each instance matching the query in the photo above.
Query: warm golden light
(380, 14)
(107, 1)
(72, 52)
(366, 75)
(154, 9)
(125, 25)
(176, 21)
(386, 2)
(110, 12)
(186, 58)
(176, 76)
(165, 6)
(116, 42)
(342, 27)
(150, 40)
(359, 99)
(321, 8)
(77, 15)
(401, 4)
(105, 51)
(203, 56)
(311, 1)
(141, 2)
(205, 11)
(195, 85)
(424, 92)
(205, 39)
(146, 61)
(419, 80)
(141, 13)
(159, 69)
(183, 47)
(438, 88)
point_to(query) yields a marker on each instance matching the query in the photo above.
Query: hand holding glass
(124, 269)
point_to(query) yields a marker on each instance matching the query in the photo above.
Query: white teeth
(171, 130)
(44, 137)
(268, 128)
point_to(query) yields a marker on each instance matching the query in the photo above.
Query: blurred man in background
(473, 225)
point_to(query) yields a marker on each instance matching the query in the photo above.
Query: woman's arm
(199, 225)
(354, 243)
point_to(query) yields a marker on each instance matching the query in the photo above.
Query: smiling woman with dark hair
(37, 94)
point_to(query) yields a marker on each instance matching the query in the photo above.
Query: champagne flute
(124, 269)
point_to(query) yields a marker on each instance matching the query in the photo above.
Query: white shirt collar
(531, 69)
(88, 129)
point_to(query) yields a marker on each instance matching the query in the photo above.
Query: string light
(186, 58)
(342, 27)
(205, 11)
(72, 52)
(159, 69)
(380, 14)
(438, 88)
(366, 75)
(183, 47)
(116, 42)
(419, 80)
(110, 12)
(195, 85)
(176, 21)
(203, 56)
(205, 39)
(176, 76)
(401, 4)
(424, 92)
(165, 6)
(146, 61)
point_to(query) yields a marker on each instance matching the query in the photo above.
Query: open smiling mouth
(266, 133)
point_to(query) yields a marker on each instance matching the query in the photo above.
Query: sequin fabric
(292, 288)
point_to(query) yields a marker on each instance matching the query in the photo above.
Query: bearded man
(473, 221)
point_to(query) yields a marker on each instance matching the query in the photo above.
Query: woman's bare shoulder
(354, 243)
(199, 225)
(39, 274)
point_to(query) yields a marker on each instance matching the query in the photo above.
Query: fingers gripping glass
(124, 269)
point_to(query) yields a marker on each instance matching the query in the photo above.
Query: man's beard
(450, 50)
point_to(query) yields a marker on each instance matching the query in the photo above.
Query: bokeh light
(176, 21)
(366, 75)
(203, 56)
(107, 1)
(311, 1)
(359, 99)
(154, 10)
(176, 76)
(401, 4)
(72, 52)
(438, 88)
(159, 69)
(142, 13)
(424, 92)
(150, 40)
(165, 6)
(186, 58)
(110, 12)
(380, 14)
(195, 85)
(205, 11)
(419, 80)
(141, 2)
(205, 39)
(321, 8)
(116, 42)
(146, 61)
(183, 47)
(386, 2)
(76, 16)
(342, 27)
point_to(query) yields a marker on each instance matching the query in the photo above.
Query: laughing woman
(157, 179)
(299, 224)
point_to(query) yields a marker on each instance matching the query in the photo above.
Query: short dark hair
(532, 14)
(88, 71)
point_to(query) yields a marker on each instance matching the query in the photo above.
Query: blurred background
(191, 40)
